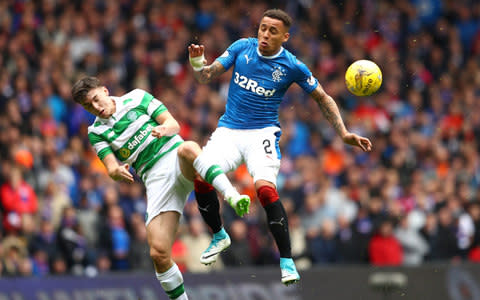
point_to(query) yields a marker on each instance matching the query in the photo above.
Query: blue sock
(220, 235)
(286, 262)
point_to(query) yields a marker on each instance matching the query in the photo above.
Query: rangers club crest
(277, 74)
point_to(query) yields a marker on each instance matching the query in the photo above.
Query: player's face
(99, 103)
(271, 35)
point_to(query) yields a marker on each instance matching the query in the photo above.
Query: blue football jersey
(258, 84)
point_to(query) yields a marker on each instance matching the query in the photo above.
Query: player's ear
(286, 36)
(107, 92)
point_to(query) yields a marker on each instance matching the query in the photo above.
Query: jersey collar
(271, 56)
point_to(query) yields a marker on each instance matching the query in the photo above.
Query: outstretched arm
(332, 114)
(202, 72)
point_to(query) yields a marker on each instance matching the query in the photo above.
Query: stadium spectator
(180, 254)
(239, 253)
(413, 244)
(17, 195)
(446, 246)
(15, 257)
(40, 263)
(384, 249)
(297, 236)
(324, 248)
(103, 263)
(139, 244)
(52, 203)
(72, 244)
(474, 213)
(17, 198)
(58, 265)
(351, 242)
(114, 238)
(45, 239)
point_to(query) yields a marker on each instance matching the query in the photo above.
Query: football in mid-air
(363, 77)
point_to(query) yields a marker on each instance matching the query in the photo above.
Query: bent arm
(202, 73)
(168, 125)
(330, 110)
(209, 73)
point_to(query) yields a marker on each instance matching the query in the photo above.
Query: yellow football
(363, 77)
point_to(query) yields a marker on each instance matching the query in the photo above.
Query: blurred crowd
(414, 199)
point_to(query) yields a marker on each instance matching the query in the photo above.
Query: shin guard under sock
(172, 283)
(278, 225)
(208, 205)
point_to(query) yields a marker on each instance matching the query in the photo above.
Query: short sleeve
(102, 148)
(152, 105)
(227, 59)
(305, 78)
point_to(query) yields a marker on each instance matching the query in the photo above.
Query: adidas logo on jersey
(137, 139)
(252, 85)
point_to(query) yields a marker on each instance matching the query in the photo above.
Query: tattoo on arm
(330, 110)
(209, 72)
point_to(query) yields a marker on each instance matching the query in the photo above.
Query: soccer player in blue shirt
(249, 130)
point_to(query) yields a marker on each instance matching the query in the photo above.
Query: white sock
(214, 175)
(172, 283)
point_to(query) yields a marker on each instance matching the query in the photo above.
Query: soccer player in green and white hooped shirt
(137, 130)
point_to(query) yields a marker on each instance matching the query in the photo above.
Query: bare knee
(189, 150)
(161, 255)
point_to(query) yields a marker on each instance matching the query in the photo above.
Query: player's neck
(114, 110)
(267, 55)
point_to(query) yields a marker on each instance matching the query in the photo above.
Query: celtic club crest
(132, 115)
(124, 153)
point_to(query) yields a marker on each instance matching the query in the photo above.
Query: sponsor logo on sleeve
(225, 54)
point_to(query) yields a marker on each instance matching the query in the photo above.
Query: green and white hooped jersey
(127, 133)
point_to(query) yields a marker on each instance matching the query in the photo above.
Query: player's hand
(197, 57)
(196, 50)
(359, 141)
(121, 173)
(159, 131)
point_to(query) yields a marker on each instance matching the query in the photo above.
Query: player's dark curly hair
(81, 88)
(279, 14)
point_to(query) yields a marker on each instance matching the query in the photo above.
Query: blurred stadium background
(410, 207)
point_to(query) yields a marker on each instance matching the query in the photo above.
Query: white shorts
(257, 148)
(167, 188)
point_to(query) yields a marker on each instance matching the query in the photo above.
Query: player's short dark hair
(279, 14)
(81, 88)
